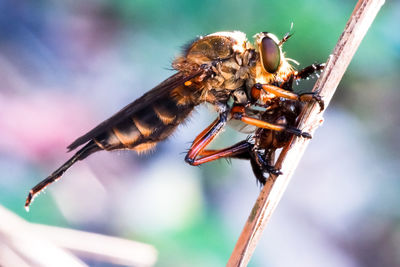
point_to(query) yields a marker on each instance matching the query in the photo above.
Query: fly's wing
(241, 126)
(158, 93)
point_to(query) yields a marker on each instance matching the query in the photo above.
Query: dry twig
(362, 17)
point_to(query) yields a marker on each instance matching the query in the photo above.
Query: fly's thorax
(228, 76)
(226, 54)
(216, 46)
(209, 49)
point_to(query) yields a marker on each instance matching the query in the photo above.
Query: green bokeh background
(66, 66)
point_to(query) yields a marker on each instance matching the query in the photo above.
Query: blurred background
(65, 66)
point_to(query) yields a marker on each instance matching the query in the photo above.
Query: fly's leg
(308, 71)
(241, 150)
(235, 151)
(205, 138)
(305, 74)
(280, 92)
(260, 163)
(302, 74)
(287, 85)
(238, 113)
(266, 162)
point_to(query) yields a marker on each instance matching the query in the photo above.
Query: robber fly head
(273, 63)
(270, 51)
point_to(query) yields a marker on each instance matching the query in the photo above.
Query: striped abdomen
(147, 126)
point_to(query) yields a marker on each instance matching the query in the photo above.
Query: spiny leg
(280, 92)
(260, 163)
(88, 149)
(263, 163)
(241, 150)
(258, 171)
(204, 132)
(302, 74)
(305, 73)
(308, 71)
(238, 113)
(287, 85)
(205, 138)
(266, 161)
(235, 151)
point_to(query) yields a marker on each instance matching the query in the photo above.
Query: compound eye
(270, 54)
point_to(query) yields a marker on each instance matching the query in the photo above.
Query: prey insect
(213, 69)
(260, 148)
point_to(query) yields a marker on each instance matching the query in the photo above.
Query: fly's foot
(298, 132)
(313, 96)
(273, 171)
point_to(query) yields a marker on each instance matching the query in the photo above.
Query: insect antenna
(287, 35)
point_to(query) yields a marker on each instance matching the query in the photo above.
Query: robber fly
(213, 69)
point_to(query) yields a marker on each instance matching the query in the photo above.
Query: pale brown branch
(357, 26)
